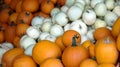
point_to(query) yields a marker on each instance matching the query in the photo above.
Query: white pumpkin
(89, 17)
(90, 35)
(56, 30)
(100, 9)
(110, 18)
(54, 11)
(33, 32)
(2, 51)
(74, 13)
(37, 20)
(28, 50)
(46, 27)
(69, 3)
(94, 2)
(43, 35)
(81, 1)
(110, 4)
(79, 5)
(51, 38)
(99, 23)
(26, 41)
(87, 2)
(61, 18)
(47, 20)
(117, 10)
(67, 27)
(64, 8)
(7, 45)
(83, 38)
(79, 26)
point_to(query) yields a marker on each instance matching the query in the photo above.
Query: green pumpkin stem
(74, 41)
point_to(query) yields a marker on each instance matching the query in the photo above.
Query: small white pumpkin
(89, 17)
(100, 9)
(79, 5)
(99, 23)
(110, 18)
(46, 27)
(61, 18)
(47, 20)
(28, 50)
(67, 27)
(56, 30)
(7, 45)
(74, 13)
(33, 32)
(90, 35)
(64, 8)
(110, 4)
(79, 26)
(2, 51)
(87, 2)
(50, 38)
(37, 20)
(83, 38)
(81, 1)
(69, 3)
(43, 35)
(54, 11)
(117, 10)
(94, 2)
(26, 41)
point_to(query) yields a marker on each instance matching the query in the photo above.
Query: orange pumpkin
(118, 42)
(16, 41)
(46, 6)
(106, 51)
(41, 14)
(91, 50)
(3, 26)
(45, 49)
(116, 28)
(2, 37)
(24, 61)
(30, 5)
(68, 35)
(101, 32)
(51, 62)
(21, 29)
(10, 55)
(73, 55)
(106, 65)
(10, 32)
(61, 2)
(24, 17)
(18, 8)
(13, 4)
(4, 15)
(12, 18)
(7, 1)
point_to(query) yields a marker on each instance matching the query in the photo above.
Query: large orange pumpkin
(116, 28)
(73, 55)
(10, 55)
(45, 49)
(106, 51)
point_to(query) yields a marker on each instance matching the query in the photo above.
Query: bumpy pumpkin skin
(106, 51)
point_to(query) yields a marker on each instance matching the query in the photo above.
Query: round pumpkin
(45, 49)
(106, 51)
(106, 65)
(68, 35)
(73, 55)
(2, 37)
(18, 8)
(24, 61)
(10, 55)
(12, 18)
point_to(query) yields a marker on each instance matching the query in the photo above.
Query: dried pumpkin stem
(74, 40)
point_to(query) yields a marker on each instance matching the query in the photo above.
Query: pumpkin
(3, 26)
(24, 61)
(52, 62)
(10, 32)
(45, 49)
(30, 5)
(2, 37)
(46, 6)
(116, 28)
(10, 55)
(24, 17)
(68, 35)
(103, 49)
(61, 2)
(13, 4)
(16, 41)
(18, 8)
(7, 1)
(106, 65)
(21, 29)
(118, 42)
(73, 55)
(91, 50)
(88, 63)
(103, 31)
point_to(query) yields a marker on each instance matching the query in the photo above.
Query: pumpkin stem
(10, 12)
(27, 13)
(74, 40)
(12, 24)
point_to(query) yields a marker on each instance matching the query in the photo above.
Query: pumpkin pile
(60, 33)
